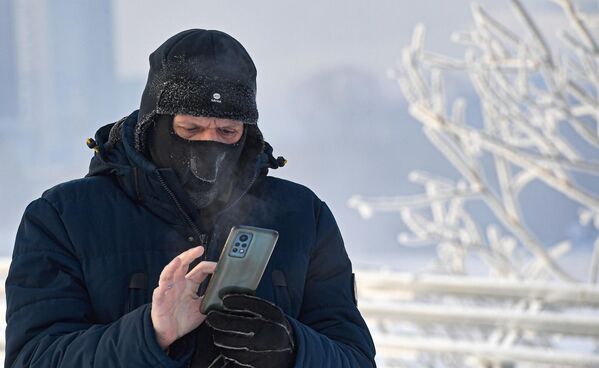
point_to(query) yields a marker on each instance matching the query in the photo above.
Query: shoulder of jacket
(78, 189)
(290, 195)
(287, 187)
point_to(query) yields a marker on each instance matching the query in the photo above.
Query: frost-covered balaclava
(202, 73)
(206, 169)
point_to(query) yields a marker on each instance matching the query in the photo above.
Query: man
(106, 270)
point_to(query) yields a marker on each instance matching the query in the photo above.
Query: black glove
(252, 332)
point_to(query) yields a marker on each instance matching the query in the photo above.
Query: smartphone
(240, 265)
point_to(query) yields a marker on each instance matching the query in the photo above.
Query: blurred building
(8, 65)
(65, 73)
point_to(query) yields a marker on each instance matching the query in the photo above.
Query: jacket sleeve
(329, 331)
(50, 320)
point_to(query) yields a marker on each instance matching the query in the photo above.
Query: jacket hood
(115, 155)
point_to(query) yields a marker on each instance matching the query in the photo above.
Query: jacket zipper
(203, 238)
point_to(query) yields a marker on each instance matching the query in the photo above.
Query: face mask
(206, 169)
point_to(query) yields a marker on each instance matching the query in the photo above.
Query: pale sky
(315, 61)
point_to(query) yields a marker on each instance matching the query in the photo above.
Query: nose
(208, 135)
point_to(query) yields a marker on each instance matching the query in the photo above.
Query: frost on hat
(202, 73)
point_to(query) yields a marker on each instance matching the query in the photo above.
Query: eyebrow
(187, 123)
(231, 125)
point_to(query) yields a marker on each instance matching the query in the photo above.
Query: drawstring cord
(273, 163)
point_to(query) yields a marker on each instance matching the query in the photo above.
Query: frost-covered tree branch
(531, 87)
(527, 89)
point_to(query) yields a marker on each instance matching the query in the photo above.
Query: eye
(227, 131)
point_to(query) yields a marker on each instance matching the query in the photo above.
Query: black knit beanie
(202, 73)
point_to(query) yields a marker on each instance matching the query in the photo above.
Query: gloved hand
(252, 332)
(206, 355)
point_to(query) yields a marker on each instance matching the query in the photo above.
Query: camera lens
(236, 244)
(243, 245)
(243, 238)
(234, 250)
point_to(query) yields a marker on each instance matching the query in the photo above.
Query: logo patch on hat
(216, 97)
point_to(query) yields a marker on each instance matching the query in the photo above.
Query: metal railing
(477, 320)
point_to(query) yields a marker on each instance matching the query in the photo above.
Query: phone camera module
(241, 245)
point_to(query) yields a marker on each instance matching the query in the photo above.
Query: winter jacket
(89, 252)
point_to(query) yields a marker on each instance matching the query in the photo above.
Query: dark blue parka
(89, 252)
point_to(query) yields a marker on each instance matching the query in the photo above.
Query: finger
(235, 324)
(273, 342)
(180, 263)
(179, 275)
(244, 358)
(157, 295)
(201, 271)
(191, 254)
(233, 340)
(230, 363)
(252, 304)
(166, 276)
(219, 362)
(251, 332)
(180, 272)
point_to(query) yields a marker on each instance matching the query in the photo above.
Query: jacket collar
(159, 189)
